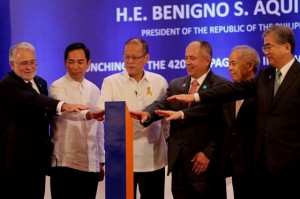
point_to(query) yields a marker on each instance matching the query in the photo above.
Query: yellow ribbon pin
(149, 91)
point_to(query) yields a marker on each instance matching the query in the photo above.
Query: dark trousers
(187, 185)
(243, 187)
(67, 183)
(151, 184)
(16, 185)
(243, 180)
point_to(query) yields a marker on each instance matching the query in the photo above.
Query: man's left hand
(201, 163)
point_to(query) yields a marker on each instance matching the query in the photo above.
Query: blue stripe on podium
(118, 151)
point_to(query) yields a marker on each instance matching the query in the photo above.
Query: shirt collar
(144, 78)
(200, 79)
(286, 68)
(75, 83)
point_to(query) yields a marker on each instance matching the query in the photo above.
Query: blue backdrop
(168, 26)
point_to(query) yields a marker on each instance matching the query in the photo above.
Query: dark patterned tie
(30, 84)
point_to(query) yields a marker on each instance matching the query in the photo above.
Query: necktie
(34, 88)
(277, 81)
(30, 84)
(193, 88)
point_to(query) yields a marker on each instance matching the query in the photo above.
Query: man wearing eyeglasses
(277, 88)
(25, 112)
(139, 88)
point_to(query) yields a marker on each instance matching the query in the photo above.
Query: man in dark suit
(277, 88)
(193, 144)
(25, 148)
(239, 119)
(240, 124)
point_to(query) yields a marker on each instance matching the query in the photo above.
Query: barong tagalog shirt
(78, 143)
(149, 145)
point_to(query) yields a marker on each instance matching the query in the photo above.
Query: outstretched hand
(182, 98)
(169, 115)
(73, 107)
(140, 115)
(97, 115)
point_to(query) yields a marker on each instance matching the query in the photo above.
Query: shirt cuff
(182, 115)
(197, 97)
(149, 119)
(84, 113)
(58, 107)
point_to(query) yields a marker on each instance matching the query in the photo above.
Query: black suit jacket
(238, 141)
(194, 134)
(278, 118)
(24, 124)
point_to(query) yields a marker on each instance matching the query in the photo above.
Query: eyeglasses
(134, 58)
(268, 47)
(27, 63)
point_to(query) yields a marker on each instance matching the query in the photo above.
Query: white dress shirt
(78, 143)
(285, 69)
(150, 149)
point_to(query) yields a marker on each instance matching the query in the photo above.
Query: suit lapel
(185, 85)
(268, 91)
(184, 89)
(18, 81)
(207, 83)
(270, 87)
(39, 85)
(287, 81)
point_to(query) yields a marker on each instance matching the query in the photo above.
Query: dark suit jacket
(195, 134)
(278, 118)
(24, 121)
(238, 141)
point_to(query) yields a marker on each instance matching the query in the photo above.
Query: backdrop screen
(168, 26)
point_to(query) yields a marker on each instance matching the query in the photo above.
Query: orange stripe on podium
(129, 156)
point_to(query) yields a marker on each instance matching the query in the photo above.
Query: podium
(118, 151)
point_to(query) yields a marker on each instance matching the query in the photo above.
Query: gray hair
(21, 45)
(249, 54)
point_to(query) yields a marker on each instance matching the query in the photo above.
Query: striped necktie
(193, 88)
(277, 81)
